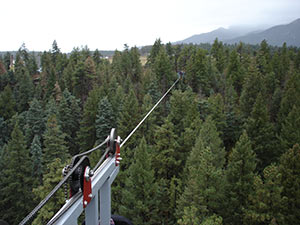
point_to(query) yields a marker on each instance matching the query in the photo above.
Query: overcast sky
(108, 25)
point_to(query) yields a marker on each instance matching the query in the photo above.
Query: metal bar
(105, 204)
(91, 211)
(101, 177)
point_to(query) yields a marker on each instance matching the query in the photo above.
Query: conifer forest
(222, 148)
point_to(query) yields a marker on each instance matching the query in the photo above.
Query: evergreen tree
(156, 48)
(216, 109)
(210, 138)
(290, 96)
(140, 202)
(217, 52)
(69, 115)
(4, 134)
(104, 119)
(148, 127)
(50, 180)
(290, 170)
(197, 73)
(166, 155)
(36, 157)
(54, 141)
(290, 132)
(235, 71)
(80, 82)
(51, 109)
(128, 119)
(163, 70)
(252, 86)
(86, 136)
(136, 66)
(266, 202)
(7, 103)
(232, 130)
(183, 109)
(16, 179)
(35, 124)
(50, 75)
(97, 57)
(240, 177)
(262, 134)
(204, 190)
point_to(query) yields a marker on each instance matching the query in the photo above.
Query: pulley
(77, 178)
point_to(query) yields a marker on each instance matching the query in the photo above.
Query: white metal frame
(101, 186)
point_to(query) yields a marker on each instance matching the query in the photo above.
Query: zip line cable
(132, 132)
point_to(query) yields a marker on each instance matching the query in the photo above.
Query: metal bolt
(91, 173)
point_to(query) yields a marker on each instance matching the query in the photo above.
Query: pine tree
(105, 121)
(148, 127)
(262, 134)
(289, 167)
(128, 119)
(266, 202)
(290, 133)
(166, 155)
(290, 96)
(217, 52)
(210, 138)
(69, 115)
(232, 130)
(235, 71)
(204, 190)
(163, 70)
(50, 109)
(216, 109)
(197, 73)
(50, 180)
(156, 48)
(7, 103)
(4, 134)
(86, 136)
(36, 157)
(35, 124)
(140, 202)
(136, 66)
(80, 82)
(16, 179)
(54, 141)
(240, 177)
(252, 86)
(183, 109)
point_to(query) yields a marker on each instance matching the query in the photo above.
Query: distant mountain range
(277, 35)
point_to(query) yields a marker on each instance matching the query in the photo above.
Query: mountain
(276, 35)
(221, 33)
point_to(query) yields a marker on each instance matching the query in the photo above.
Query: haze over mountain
(276, 35)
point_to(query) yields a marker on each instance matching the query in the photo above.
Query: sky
(108, 25)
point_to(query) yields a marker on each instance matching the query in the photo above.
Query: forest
(222, 148)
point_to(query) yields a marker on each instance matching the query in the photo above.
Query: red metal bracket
(87, 187)
(118, 153)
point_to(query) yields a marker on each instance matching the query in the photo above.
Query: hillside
(276, 35)
(220, 33)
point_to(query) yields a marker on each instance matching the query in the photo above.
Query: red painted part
(87, 191)
(118, 154)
